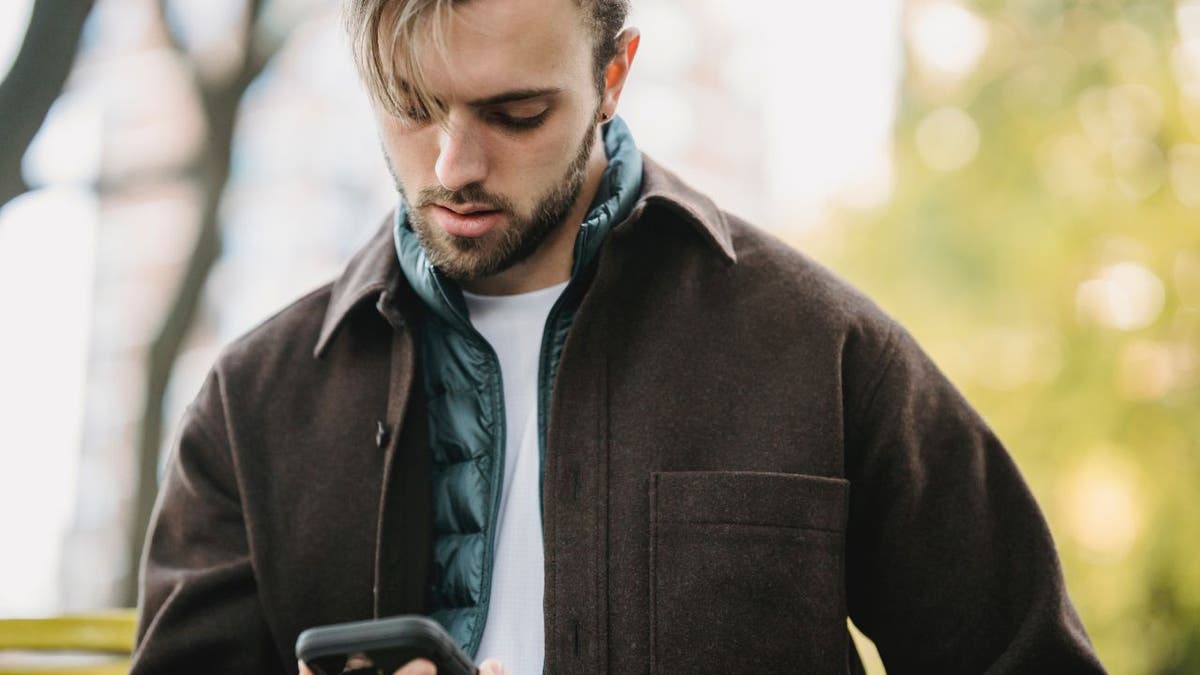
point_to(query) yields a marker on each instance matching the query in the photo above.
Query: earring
(603, 117)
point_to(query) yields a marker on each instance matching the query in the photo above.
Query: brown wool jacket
(742, 452)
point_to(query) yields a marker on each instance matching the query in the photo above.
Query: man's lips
(466, 220)
(466, 209)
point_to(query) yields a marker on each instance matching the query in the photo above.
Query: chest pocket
(746, 572)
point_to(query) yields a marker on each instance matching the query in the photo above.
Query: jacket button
(381, 434)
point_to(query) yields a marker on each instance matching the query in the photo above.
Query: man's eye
(414, 115)
(520, 122)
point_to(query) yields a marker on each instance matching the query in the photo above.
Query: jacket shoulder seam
(223, 450)
(885, 361)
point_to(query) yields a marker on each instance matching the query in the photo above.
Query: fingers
(423, 667)
(418, 667)
(492, 667)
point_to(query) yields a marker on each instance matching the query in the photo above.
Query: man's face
(487, 186)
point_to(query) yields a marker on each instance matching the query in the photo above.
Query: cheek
(413, 159)
(542, 156)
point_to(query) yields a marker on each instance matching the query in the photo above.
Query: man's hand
(423, 667)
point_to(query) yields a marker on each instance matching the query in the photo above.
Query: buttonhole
(381, 434)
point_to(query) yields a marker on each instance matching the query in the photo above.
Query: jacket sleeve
(198, 610)
(950, 564)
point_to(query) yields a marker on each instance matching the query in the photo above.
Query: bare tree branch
(258, 50)
(34, 82)
(164, 25)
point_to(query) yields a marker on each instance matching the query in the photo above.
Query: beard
(469, 258)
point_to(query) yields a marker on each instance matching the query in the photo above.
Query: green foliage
(1056, 278)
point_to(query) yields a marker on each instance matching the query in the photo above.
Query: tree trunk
(221, 101)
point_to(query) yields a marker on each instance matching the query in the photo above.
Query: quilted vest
(465, 397)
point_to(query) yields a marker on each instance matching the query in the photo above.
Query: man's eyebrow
(514, 95)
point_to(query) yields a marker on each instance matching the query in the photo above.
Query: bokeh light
(947, 139)
(1103, 506)
(1125, 296)
(947, 38)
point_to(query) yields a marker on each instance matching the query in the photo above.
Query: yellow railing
(77, 644)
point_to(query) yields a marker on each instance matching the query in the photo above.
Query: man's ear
(617, 70)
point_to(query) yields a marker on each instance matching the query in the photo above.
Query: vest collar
(616, 194)
(376, 269)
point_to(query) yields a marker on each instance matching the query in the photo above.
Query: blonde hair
(386, 37)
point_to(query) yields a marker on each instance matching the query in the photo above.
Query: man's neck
(551, 263)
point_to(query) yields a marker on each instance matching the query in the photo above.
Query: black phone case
(380, 646)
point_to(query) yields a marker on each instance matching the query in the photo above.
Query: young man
(584, 419)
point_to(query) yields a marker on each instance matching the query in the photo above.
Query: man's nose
(461, 158)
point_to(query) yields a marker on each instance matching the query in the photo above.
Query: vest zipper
(497, 477)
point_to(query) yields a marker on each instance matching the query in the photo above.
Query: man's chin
(469, 259)
(467, 273)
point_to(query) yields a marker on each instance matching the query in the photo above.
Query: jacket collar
(660, 187)
(372, 270)
(376, 269)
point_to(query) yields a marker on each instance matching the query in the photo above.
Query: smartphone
(380, 646)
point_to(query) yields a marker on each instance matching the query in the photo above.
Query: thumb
(418, 667)
(492, 667)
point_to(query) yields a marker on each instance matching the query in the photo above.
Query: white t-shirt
(514, 633)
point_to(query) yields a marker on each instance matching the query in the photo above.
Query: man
(584, 419)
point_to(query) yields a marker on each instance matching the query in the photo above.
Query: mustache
(470, 194)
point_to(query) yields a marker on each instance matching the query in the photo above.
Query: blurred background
(1017, 181)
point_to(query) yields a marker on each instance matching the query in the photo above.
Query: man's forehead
(494, 48)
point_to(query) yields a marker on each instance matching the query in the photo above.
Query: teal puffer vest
(461, 380)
